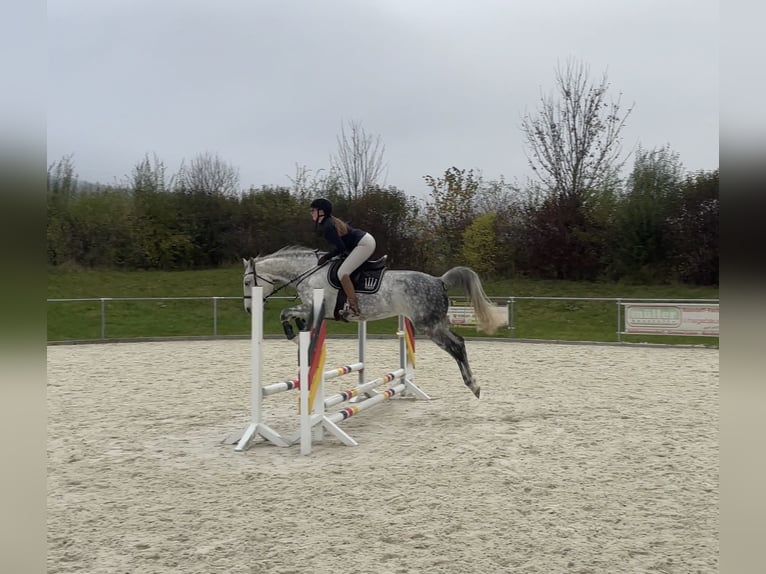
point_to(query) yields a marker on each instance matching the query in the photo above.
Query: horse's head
(286, 267)
(251, 279)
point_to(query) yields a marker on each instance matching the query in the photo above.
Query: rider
(358, 244)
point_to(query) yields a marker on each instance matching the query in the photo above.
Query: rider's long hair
(340, 225)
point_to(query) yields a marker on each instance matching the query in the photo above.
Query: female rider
(357, 244)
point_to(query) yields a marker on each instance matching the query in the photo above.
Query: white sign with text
(459, 315)
(699, 319)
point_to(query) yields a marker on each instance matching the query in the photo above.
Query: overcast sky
(267, 85)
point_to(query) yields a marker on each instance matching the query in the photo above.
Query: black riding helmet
(323, 204)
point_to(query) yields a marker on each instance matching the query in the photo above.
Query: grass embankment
(549, 320)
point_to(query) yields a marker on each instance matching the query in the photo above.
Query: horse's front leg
(299, 314)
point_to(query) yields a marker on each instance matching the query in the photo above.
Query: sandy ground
(575, 459)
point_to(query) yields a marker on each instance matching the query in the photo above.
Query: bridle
(297, 280)
(256, 277)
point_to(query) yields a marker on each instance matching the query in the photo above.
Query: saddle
(366, 279)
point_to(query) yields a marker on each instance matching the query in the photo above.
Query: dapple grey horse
(419, 296)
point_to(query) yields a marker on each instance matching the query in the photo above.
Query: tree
(446, 217)
(563, 240)
(101, 229)
(149, 175)
(207, 191)
(641, 241)
(695, 230)
(308, 185)
(575, 140)
(209, 175)
(62, 188)
(387, 215)
(505, 202)
(480, 247)
(271, 218)
(495, 196)
(359, 161)
(62, 179)
(574, 150)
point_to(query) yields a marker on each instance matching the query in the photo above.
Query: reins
(296, 279)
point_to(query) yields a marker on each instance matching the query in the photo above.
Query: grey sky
(266, 84)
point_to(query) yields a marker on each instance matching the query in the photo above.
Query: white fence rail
(635, 316)
(645, 316)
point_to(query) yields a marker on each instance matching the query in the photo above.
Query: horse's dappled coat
(419, 296)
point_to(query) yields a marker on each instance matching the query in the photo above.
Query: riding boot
(348, 289)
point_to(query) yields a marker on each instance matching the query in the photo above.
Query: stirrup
(347, 312)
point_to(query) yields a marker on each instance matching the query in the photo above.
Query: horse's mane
(289, 251)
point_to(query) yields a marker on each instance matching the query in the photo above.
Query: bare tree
(308, 184)
(210, 175)
(62, 178)
(359, 162)
(575, 140)
(496, 196)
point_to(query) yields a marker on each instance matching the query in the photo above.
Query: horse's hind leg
(454, 344)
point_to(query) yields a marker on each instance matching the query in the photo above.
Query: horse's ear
(244, 261)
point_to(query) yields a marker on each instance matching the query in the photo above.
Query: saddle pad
(364, 280)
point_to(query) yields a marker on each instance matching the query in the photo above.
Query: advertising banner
(459, 315)
(671, 319)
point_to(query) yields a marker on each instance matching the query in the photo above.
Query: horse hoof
(477, 392)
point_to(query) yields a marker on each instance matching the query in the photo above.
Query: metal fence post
(511, 326)
(215, 316)
(619, 321)
(103, 319)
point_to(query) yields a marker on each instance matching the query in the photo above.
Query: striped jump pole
(349, 412)
(349, 394)
(295, 383)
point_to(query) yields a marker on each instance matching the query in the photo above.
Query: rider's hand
(324, 259)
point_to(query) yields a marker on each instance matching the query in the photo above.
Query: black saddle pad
(366, 279)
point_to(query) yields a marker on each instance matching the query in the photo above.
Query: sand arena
(577, 458)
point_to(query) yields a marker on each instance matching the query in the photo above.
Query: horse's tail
(467, 280)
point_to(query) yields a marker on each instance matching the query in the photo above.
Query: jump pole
(257, 426)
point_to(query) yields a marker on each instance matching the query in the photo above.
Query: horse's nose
(247, 309)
